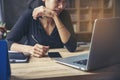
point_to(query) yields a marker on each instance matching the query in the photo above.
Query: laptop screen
(105, 43)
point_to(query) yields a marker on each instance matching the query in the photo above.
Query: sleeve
(71, 45)
(19, 29)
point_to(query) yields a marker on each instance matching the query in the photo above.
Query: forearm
(63, 32)
(20, 48)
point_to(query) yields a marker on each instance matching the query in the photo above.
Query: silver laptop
(104, 48)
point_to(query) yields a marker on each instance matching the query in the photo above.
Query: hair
(35, 3)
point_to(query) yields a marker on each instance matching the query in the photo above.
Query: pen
(34, 39)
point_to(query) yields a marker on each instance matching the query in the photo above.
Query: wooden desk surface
(47, 69)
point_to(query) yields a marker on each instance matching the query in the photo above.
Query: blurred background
(83, 13)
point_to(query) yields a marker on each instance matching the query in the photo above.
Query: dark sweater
(34, 32)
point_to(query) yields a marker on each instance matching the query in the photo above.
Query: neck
(47, 22)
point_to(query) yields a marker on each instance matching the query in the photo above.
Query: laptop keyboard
(81, 62)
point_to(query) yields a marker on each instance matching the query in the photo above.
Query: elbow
(72, 49)
(71, 45)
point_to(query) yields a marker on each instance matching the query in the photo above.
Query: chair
(5, 71)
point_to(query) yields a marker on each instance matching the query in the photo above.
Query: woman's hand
(42, 11)
(39, 50)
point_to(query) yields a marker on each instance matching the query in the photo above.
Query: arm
(65, 29)
(37, 50)
(19, 30)
(63, 32)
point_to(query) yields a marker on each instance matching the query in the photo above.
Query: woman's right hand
(43, 11)
(39, 50)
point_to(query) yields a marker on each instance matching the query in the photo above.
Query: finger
(39, 51)
(38, 12)
(38, 46)
(34, 14)
(46, 48)
(41, 48)
(50, 13)
(37, 55)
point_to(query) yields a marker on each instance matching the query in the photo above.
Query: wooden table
(47, 69)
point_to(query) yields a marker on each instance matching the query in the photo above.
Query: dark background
(14, 8)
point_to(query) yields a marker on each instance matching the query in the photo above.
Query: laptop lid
(4, 61)
(105, 43)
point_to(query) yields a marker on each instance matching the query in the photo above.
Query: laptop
(5, 71)
(104, 48)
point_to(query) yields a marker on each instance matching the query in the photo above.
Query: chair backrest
(5, 71)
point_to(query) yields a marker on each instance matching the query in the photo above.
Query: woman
(45, 27)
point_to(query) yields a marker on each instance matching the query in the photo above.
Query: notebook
(5, 71)
(104, 48)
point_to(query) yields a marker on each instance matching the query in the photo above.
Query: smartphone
(54, 55)
(18, 57)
